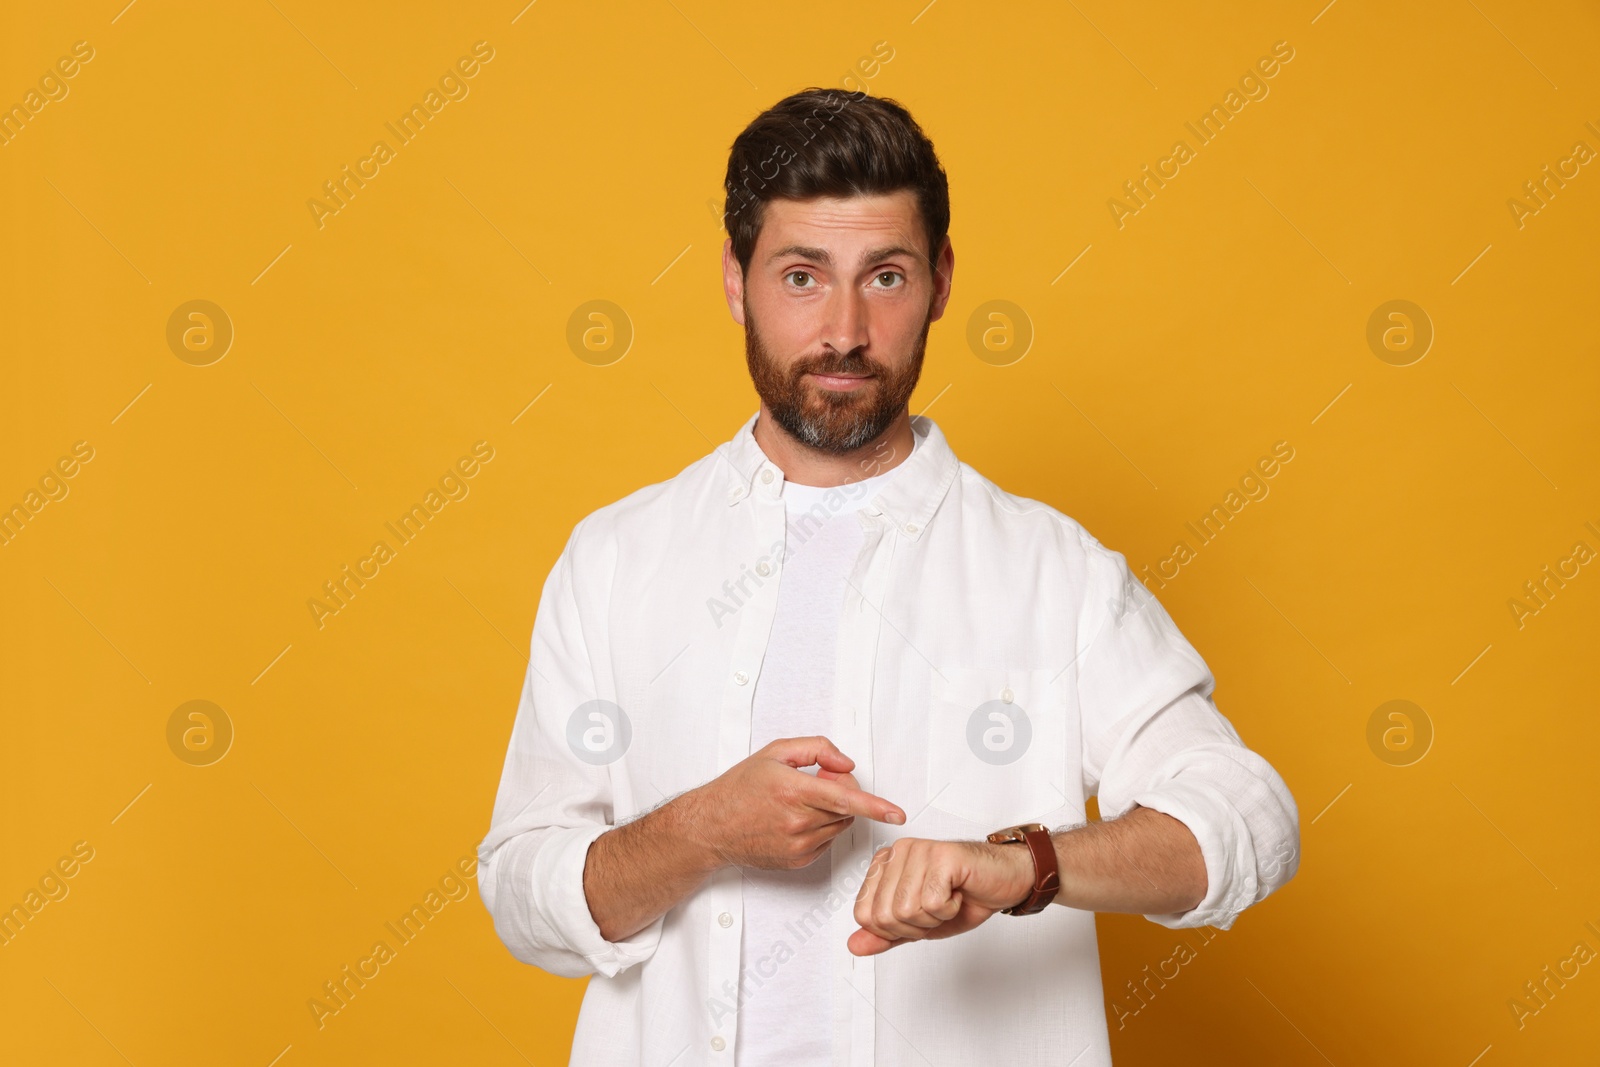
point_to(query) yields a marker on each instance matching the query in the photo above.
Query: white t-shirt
(785, 1005)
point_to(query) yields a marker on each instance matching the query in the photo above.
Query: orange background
(370, 353)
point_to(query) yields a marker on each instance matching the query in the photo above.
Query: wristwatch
(1046, 873)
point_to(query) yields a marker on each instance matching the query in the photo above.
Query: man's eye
(896, 279)
(798, 274)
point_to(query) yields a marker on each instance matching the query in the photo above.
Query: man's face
(836, 308)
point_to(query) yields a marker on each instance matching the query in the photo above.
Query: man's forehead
(869, 220)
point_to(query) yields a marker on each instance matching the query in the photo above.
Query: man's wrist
(1019, 860)
(1037, 868)
(690, 827)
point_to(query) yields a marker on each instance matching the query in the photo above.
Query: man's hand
(761, 812)
(918, 890)
(765, 812)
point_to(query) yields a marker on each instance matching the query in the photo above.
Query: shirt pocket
(997, 744)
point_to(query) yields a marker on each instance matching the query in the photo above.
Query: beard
(836, 422)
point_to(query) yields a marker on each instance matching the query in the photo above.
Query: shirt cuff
(559, 897)
(1227, 846)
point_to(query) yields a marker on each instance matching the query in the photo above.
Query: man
(776, 705)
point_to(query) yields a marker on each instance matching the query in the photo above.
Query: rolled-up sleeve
(1153, 737)
(551, 805)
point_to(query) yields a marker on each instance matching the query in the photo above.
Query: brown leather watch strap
(1046, 872)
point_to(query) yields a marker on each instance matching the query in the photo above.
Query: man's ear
(943, 276)
(732, 282)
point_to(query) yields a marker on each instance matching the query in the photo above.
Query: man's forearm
(638, 871)
(1145, 862)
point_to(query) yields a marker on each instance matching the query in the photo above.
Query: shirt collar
(907, 500)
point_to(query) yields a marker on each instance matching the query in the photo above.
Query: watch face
(1013, 833)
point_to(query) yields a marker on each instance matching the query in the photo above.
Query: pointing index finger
(842, 799)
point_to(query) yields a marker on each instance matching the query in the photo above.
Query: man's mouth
(840, 381)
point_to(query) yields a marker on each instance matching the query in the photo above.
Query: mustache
(852, 363)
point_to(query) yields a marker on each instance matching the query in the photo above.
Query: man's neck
(804, 465)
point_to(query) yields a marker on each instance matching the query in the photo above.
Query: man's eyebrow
(823, 256)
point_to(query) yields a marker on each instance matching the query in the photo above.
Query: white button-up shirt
(996, 665)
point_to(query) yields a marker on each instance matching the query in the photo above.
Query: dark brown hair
(826, 142)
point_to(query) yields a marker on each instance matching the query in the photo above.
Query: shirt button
(740, 677)
(766, 477)
(1007, 696)
(735, 494)
(717, 1044)
(763, 569)
(911, 527)
(725, 919)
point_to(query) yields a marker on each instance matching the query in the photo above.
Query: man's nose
(846, 326)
